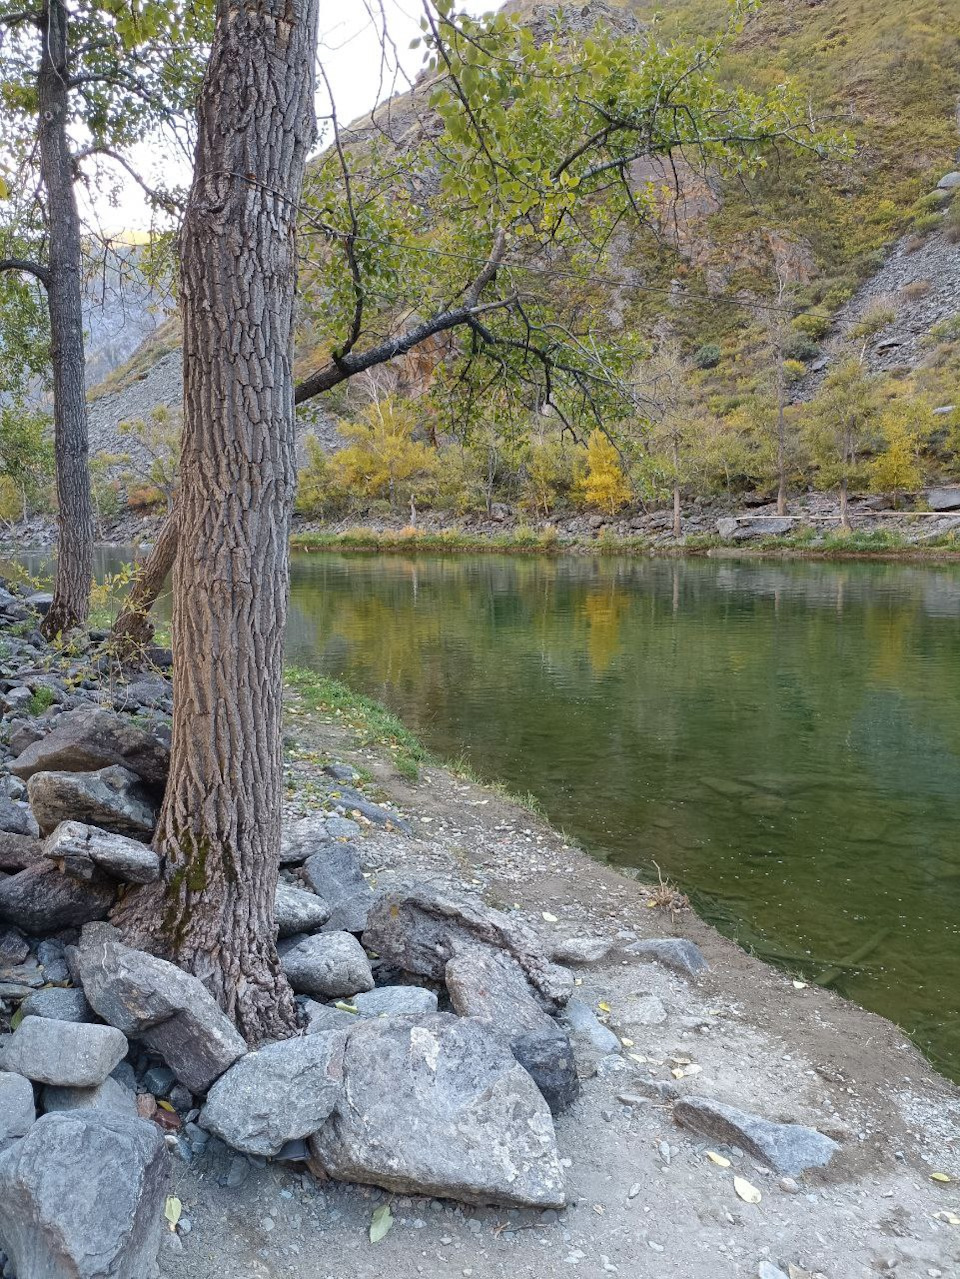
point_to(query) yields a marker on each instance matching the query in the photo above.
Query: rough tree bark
(219, 828)
(133, 630)
(71, 592)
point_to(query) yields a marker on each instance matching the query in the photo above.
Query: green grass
(372, 722)
(41, 700)
(449, 541)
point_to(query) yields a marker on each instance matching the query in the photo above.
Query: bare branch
(30, 268)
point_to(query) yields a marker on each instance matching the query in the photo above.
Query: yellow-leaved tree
(601, 482)
(383, 459)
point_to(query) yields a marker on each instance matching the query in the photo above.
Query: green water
(783, 739)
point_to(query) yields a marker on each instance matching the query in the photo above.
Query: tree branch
(31, 268)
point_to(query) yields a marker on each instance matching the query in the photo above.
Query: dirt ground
(644, 1200)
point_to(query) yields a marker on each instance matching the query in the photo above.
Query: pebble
(634, 1190)
(788, 1186)
(267, 1224)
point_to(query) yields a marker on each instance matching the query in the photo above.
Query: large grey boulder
(82, 851)
(788, 1149)
(319, 1018)
(943, 499)
(422, 927)
(17, 819)
(395, 1001)
(440, 1107)
(280, 1093)
(17, 1111)
(297, 911)
(158, 1003)
(327, 966)
(42, 900)
(744, 527)
(110, 1098)
(82, 1197)
(17, 852)
(85, 741)
(335, 874)
(490, 985)
(313, 834)
(69, 1053)
(678, 953)
(113, 798)
(57, 1003)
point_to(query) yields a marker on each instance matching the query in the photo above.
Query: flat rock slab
(420, 928)
(335, 874)
(167, 1009)
(313, 833)
(945, 499)
(86, 741)
(112, 798)
(322, 1017)
(395, 1001)
(82, 1197)
(328, 966)
(789, 1149)
(42, 900)
(17, 1111)
(82, 851)
(582, 951)
(297, 911)
(110, 1098)
(280, 1093)
(74, 1054)
(440, 1107)
(678, 953)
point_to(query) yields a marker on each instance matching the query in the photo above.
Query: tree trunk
(781, 441)
(844, 511)
(132, 631)
(71, 592)
(677, 523)
(219, 828)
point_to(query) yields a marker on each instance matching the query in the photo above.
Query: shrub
(316, 492)
(927, 222)
(798, 347)
(915, 290)
(793, 370)
(813, 326)
(11, 507)
(602, 483)
(708, 356)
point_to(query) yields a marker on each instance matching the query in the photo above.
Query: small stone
(238, 1172)
(767, 1270)
(297, 911)
(72, 1054)
(59, 1004)
(675, 952)
(159, 1080)
(581, 951)
(788, 1149)
(335, 873)
(788, 1186)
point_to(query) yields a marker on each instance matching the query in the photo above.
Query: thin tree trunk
(677, 523)
(781, 441)
(132, 631)
(844, 511)
(219, 828)
(71, 592)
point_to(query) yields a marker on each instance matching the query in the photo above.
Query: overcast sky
(351, 53)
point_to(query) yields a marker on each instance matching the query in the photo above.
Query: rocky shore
(511, 1061)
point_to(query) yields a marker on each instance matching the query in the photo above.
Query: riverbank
(661, 1039)
(646, 1197)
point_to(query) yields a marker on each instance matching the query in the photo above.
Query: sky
(350, 50)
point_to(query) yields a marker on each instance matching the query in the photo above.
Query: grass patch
(448, 541)
(41, 700)
(372, 722)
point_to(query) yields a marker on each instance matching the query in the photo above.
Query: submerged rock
(69, 1053)
(789, 1149)
(420, 928)
(152, 1000)
(440, 1107)
(280, 1093)
(86, 741)
(82, 1197)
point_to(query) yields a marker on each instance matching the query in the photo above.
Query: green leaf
(172, 1210)
(380, 1222)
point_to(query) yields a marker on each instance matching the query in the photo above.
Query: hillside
(870, 225)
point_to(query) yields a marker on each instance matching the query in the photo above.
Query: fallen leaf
(749, 1194)
(627, 1043)
(635, 1057)
(603, 1006)
(680, 1061)
(380, 1222)
(719, 1160)
(165, 1105)
(799, 985)
(551, 919)
(345, 1007)
(941, 1177)
(950, 1218)
(172, 1210)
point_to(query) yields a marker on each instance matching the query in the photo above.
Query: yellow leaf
(749, 1194)
(677, 1072)
(165, 1105)
(603, 1006)
(719, 1160)
(551, 919)
(380, 1222)
(172, 1210)
(941, 1176)
(345, 1007)
(4, 189)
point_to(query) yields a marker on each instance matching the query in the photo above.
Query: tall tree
(219, 829)
(80, 81)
